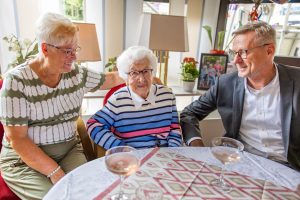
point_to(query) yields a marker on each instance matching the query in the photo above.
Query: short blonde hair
(265, 33)
(133, 54)
(55, 29)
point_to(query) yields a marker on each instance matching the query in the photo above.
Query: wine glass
(122, 161)
(228, 151)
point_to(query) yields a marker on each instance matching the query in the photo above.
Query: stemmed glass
(228, 151)
(122, 161)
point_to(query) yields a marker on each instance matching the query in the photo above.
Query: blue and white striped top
(120, 122)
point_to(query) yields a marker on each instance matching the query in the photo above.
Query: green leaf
(208, 30)
(23, 49)
(221, 35)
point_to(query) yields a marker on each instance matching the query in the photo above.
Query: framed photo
(211, 66)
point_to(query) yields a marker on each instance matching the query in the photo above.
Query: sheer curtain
(18, 17)
(8, 25)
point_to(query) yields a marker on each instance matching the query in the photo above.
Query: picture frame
(211, 66)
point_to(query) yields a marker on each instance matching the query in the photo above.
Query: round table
(88, 180)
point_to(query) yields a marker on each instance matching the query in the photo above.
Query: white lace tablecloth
(90, 179)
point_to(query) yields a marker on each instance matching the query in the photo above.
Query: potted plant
(221, 35)
(23, 49)
(189, 73)
(111, 65)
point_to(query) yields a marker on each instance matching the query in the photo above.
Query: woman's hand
(57, 176)
(30, 153)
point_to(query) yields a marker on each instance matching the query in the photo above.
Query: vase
(188, 86)
(217, 51)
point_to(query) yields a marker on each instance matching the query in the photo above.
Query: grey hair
(133, 54)
(265, 33)
(55, 29)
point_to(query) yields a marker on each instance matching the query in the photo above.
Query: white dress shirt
(260, 129)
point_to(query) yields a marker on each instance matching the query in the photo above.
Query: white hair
(133, 54)
(55, 29)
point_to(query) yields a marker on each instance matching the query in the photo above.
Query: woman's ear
(44, 48)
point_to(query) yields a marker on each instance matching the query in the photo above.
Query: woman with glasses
(140, 115)
(40, 103)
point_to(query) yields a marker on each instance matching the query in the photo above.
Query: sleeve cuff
(192, 139)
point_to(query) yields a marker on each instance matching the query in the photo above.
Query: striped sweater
(49, 113)
(119, 122)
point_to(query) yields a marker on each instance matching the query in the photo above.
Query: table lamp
(164, 33)
(88, 42)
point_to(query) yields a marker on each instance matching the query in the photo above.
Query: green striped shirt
(49, 113)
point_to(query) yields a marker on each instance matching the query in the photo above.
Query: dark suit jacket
(227, 95)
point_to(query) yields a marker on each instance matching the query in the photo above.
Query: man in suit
(259, 104)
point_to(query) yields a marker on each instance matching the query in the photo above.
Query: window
(156, 7)
(74, 9)
(284, 17)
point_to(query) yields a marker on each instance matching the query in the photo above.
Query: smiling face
(61, 58)
(259, 60)
(141, 83)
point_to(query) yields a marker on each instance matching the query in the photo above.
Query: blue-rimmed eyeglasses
(243, 52)
(144, 72)
(66, 51)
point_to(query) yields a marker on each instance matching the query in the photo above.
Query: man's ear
(271, 49)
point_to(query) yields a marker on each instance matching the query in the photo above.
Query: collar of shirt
(272, 84)
(139, 101)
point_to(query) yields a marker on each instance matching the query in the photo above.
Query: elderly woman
(40, 103)
(141, 114)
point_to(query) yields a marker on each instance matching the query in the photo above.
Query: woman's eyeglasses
(144, 72)
(67, 51)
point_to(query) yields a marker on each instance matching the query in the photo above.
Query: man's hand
(196, 143)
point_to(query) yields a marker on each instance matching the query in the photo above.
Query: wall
(210, 17)
(95, 13)
(134, 10)
(114, 28)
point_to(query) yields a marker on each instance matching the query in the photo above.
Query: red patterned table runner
(179, 177)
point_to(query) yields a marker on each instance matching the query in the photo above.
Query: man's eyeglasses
(66, 51)
(243, 52)
(144, 72)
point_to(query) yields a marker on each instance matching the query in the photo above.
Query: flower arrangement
(189, 71)
(24, 49)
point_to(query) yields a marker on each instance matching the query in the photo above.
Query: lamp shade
(88, 42)
(164, 32)
(169, 33)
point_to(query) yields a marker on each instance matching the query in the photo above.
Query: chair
(85, 140)
(91, 150)
(111, 91)
(6, 193)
